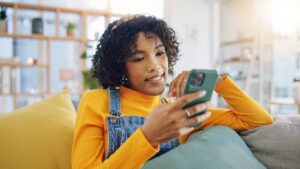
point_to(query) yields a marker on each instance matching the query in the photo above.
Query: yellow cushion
(38, 136)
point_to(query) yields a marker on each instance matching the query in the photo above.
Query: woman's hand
(178, 84)
(169, 121)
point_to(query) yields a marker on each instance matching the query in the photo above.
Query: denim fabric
(120, 127)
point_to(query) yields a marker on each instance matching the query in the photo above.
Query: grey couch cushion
(277, 146)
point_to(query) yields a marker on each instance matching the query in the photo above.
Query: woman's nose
(154, 64)
(155, 68)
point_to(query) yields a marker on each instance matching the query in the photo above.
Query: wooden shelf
(45, 49)
(239, 61)
(92, 40)
(60, 9)
(244, 78)
(24, 65)
(237, 42)
(42, 37)
(236, 61)
(25, 94)
(31, 94)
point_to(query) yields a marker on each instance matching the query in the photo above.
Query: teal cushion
(214, 148)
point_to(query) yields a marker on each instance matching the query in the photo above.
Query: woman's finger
(180, 102)
(197, 119)
(182, 83)
(180, 114)
(178, 84)
(172, 87)
(197, 108)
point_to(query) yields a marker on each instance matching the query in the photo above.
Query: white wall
(237, 19)
(191, 21)
(196, 23)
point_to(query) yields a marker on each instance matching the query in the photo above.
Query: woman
(129, 122)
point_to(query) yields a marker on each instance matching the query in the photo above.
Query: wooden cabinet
(45, 43)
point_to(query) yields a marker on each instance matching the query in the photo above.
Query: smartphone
(200, 79)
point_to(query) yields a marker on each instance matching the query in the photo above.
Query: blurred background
(46, 45)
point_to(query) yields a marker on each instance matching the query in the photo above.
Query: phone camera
(197, 79)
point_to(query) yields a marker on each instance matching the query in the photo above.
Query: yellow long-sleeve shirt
(91, 138)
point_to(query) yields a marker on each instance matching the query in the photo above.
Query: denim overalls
(121, 127)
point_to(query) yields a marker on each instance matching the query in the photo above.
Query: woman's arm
(245, 112)
(88, 144)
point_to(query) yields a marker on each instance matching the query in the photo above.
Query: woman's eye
(160, 53)
(137, 59)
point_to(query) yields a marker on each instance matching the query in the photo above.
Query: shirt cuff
(223, 83)
(146, 143)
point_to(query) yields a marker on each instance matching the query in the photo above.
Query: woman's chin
(156, 91)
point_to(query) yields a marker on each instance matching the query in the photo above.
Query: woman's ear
(125, 80)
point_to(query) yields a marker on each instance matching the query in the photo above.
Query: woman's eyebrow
(159, 46)
(137, 52)
(142, 52)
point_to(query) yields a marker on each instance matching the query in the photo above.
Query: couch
(39, 136)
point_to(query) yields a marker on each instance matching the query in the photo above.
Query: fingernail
(203, 93)
(203, 117)
(200, 119)
(185, 130)
(207, 114)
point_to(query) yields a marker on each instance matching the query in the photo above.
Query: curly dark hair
(117, 41)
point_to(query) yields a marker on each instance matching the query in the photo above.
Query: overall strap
(114, 102)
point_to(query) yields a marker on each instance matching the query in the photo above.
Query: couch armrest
(277, 146)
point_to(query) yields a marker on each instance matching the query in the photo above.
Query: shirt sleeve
(132, 154)
(245, 113)
(88, 150)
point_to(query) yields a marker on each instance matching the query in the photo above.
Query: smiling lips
(158, 79)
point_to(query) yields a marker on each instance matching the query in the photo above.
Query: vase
(3, 26)
(70, 32)
(37, 26)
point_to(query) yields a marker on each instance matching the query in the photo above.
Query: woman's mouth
(156, 79)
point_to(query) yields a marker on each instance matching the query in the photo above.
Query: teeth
(156, 78)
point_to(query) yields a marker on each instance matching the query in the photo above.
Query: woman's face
(147, 67)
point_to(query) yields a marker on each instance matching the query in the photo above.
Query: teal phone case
(200, 79)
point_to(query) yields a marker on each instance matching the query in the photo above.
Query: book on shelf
(1, 76)
(6, 80)
(9, 80)
(9, 76)
(15, 81)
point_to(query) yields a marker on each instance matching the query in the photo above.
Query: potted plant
(3, 22)
(88, 81)
(70, 28)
